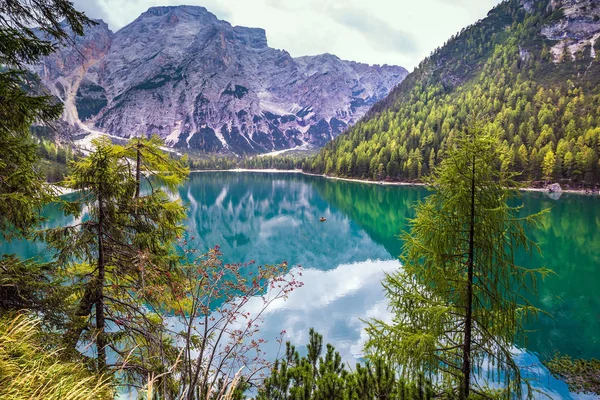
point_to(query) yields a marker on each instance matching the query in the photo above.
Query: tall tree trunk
(466, 362)
(100, 319)
(86, 304)
(138, 169)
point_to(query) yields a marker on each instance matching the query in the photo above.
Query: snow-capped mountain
(205, 85)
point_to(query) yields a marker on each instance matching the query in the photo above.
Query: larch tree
(122, 252)
(459, 301)
(549, 165)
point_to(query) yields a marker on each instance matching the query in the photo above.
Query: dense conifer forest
(545, 112)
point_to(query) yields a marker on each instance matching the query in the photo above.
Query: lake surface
(274, 217)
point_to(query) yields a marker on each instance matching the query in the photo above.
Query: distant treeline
(54, 159)
(221, 162)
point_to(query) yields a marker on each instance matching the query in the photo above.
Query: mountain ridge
(205, 85)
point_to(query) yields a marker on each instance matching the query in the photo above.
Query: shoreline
(384, 183)
(271, 171)
(61, 190)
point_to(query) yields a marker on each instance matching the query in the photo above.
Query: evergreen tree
(548, 165)
(458, 301)
(23, 191)
(122, 251)
(503, 72)
(324, 377)
(22, 188)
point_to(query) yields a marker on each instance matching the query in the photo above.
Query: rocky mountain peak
(255, 38)
(192, 11)
(207, 86)
(576, 29)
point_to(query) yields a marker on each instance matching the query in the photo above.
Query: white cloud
(400, 32)
(332, 302)
(336, 302)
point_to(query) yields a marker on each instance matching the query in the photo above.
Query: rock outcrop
(577, 30)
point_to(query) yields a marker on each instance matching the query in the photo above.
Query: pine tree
(324, 377)
(457, 302)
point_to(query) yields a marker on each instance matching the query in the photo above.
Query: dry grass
(28, 371)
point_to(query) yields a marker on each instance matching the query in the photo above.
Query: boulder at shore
(554, 188)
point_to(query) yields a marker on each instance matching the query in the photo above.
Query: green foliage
(31, 285)
(30, 371)
(20, 43)
(54, 159)
(121, 255)
(582, 376)
(458, 301)
(500, 68)
(22, 188)
(319, 376)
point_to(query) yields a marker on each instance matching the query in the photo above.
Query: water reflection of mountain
(273, 218)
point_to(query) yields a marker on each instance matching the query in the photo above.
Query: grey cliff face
(204, 85)
(578, 29)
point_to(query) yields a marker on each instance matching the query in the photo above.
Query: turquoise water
(274, 217)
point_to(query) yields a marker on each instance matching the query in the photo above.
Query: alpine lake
(275, 217)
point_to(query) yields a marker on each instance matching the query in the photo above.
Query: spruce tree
(29, 30)
(458, 302)
(318, 376)
(122, 251)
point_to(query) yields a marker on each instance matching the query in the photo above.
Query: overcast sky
(400, 32)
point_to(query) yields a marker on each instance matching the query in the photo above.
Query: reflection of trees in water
(569, 242)
(382, 211)
(270, 219)
(570, 246)
(275, 218)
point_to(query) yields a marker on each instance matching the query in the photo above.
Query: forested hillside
(530, 69)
